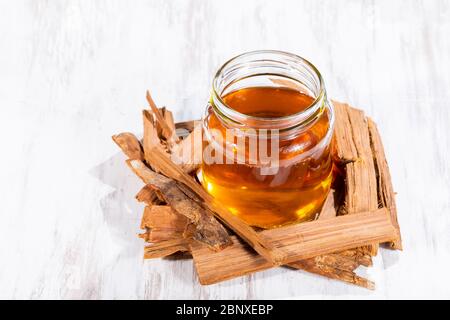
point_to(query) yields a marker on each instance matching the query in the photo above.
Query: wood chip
(167, 129)
(149, 196)
(310, 239)
(344, 146)
(328, 210)
(335, 263)
(162, 223)
(130, 145)
(386, 193)
(318, 238)
(187, 125)
(151, 140)
(332, 264)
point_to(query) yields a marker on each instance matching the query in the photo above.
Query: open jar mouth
(268, 68)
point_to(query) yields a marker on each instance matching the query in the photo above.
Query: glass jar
(267, 139)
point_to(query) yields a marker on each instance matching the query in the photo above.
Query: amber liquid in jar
(296, 192)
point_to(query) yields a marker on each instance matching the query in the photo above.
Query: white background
(72, 73)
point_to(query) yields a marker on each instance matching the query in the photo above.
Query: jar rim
(302, 115)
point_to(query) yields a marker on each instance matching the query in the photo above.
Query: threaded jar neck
(269, 68)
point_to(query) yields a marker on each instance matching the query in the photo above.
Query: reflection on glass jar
(267, 139)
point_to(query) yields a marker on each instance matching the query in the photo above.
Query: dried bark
(187, 125)
(130, 145)
(166, 248)
(187, 154)
(328, 210)
(386, 194)
(209, 230)
(167, 126)
(318, 238)
(322, 247)
(354, 150)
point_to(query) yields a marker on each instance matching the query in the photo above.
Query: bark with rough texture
(130, 145)
(317, 238)
(149, 196)
(354, 151)
(208, 229)
(386, 194)
(166, 125)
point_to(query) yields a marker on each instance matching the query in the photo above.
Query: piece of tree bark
(318, 238)
(209, 230)
(161, 162)
(330, 265)
(334, 265)
(386, 193)
(162, 223)
(167, 130)
(328, 210)
(130, 145)
(363, 259)
(168, 118)
(353, 148)
(151, 141)
(153, 144)
(340, 260)
(310, 239)
(149, 196)
(344, 147)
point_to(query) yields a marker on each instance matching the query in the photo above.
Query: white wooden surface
(72, 73)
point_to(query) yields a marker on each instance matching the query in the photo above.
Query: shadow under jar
(267, 139)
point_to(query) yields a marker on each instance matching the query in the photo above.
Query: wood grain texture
(360, 174)
(386, 194)
(301, 241)
(73, 73)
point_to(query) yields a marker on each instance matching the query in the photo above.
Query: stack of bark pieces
(180, 216)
